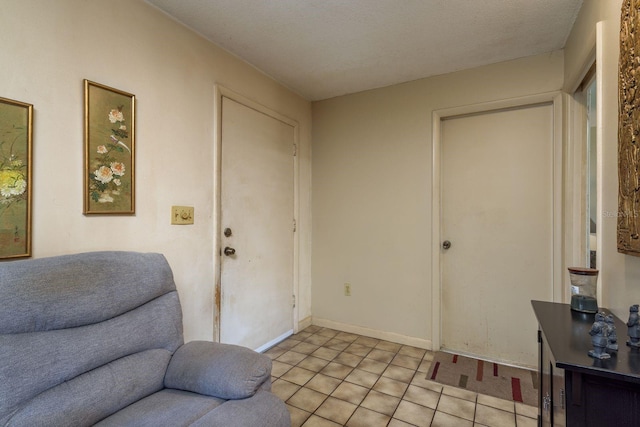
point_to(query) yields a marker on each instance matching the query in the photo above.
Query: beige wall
(49, 47)
(620, 274)
(372, 193)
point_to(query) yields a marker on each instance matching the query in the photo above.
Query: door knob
(229, 251)
(446, 245)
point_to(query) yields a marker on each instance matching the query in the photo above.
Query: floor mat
(494, 379)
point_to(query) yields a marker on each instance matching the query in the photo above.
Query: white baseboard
(304, 323)
(373, 333)
(274, 341)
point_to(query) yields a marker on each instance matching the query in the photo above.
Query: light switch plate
(181, 215)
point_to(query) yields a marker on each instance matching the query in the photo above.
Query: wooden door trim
(555, 98)
(221, 92)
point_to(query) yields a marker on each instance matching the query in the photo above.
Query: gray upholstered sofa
(96, 338)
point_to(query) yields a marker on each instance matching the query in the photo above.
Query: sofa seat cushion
(165, 408)
(94, 395)
(264, 409)
(55, 358)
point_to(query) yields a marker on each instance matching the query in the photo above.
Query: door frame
(554, 98)
(220, 92)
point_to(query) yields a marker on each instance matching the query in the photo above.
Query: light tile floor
(332, 378)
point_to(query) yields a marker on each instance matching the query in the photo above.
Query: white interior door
(497, 213)
(257, 206)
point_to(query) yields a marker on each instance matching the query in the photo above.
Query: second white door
(257, 205)
(497, 214)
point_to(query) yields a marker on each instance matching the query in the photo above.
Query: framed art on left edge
(16, 133)
(109, 150)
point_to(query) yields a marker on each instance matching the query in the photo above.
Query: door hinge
(295, 150)
(294, 301)
(295, 225)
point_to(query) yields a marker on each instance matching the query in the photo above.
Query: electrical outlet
(347, 289)
(181, 215)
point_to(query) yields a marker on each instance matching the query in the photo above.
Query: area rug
(493, 379)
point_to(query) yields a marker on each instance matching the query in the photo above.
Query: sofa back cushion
(85, 334)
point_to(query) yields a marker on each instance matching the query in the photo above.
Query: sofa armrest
(221, 370)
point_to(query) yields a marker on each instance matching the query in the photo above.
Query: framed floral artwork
(16, 130)
(109, 150)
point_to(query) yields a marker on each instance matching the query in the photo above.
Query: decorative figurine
(599, 339)
(633, 327)
(612, 336)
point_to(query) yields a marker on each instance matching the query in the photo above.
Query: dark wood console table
(575, 389)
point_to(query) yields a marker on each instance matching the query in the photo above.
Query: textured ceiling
(326, 48)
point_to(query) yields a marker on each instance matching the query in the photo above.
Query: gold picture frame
(16, 148)
(109, 150)
(628, 215)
